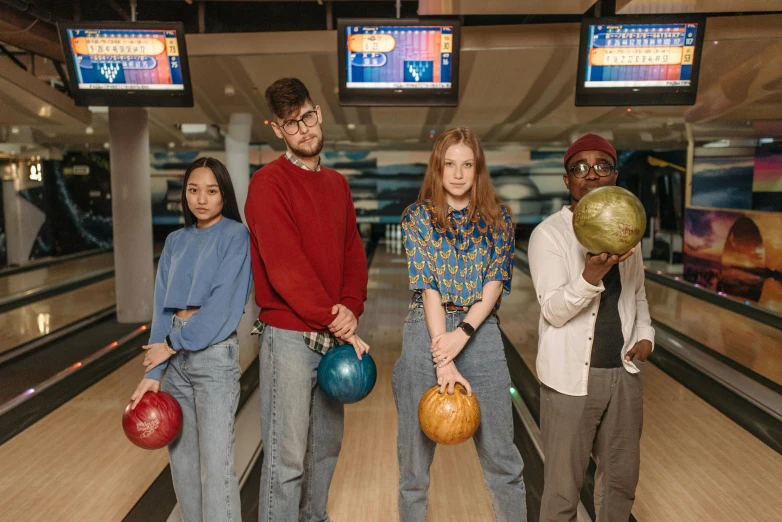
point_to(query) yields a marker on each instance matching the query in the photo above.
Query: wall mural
(735, 246)
(737, 253)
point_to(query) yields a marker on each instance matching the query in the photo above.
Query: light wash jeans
(206, 385)
(302, 431)
(482, 363)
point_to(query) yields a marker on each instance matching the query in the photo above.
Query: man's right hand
(597, 266)
(344, 325)
(358, 344)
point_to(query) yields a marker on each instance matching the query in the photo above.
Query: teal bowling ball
(345, 378)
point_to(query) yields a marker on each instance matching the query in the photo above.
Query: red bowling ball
(156, 421)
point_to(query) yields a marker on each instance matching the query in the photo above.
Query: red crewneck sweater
(306, 252)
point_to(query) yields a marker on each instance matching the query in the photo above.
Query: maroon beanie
(590, 142)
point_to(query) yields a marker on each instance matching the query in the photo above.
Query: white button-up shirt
(569, 305)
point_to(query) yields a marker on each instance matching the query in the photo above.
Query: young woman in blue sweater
(203, 282)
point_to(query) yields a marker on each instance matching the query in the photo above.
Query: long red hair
(483, 197)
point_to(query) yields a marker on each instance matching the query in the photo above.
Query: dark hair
(230, 207)
(286, 96)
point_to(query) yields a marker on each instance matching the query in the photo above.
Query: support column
(237, 155)
(237, 160)
(23, 220)
(131, 208)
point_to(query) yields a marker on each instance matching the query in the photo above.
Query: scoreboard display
(127, 64)
(399, 57)
(398, 62)
(126, 59)
(639, 60)
(640, 55)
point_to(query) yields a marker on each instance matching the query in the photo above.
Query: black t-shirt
(608, 338)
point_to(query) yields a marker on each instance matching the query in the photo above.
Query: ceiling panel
(626, 7)
(502, 7)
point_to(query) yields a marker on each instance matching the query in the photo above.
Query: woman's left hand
(156, 354)
(445, 347)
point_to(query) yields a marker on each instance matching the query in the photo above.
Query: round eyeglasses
(291, 127)
(580, 170)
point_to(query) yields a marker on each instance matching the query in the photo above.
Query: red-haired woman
(459, 244)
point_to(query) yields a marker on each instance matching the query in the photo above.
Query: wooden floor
(76, 464)
(696, 464)
(26, 323)
(23, 281)
(750, 343)
(366, 481)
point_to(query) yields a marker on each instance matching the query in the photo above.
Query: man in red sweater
(310, 274)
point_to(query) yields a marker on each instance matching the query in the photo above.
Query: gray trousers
(606, 423)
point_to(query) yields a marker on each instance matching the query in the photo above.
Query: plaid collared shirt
(315, 341)
(296, 161)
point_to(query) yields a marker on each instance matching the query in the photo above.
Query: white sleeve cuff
(586, 290)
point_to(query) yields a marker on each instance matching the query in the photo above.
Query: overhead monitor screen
(399, 57)
(127, 64)
(126, 59)
(403, 62)
(640, 60)
(643, 55)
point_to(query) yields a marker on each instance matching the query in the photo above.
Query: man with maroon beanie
(594, 334)
(310, 274)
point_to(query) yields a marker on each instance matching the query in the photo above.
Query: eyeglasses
(291, 127)
(580, 170)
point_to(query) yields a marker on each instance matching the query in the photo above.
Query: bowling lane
(29, 322)
(33, 279)
(696, 464)
(76, 464)
(750, 343)
(366, 479)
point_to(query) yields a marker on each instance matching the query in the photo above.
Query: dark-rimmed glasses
(291, 127)
(580, 170)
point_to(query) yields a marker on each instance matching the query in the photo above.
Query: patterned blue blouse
(459, 261)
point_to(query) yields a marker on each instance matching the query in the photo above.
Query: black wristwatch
(467, 328)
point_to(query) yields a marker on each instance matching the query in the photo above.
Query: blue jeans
(302, 431)
(482, 363)
(206, 385)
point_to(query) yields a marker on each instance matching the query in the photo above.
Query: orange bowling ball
(449, 419)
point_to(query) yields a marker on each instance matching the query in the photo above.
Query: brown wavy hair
(483, 197)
